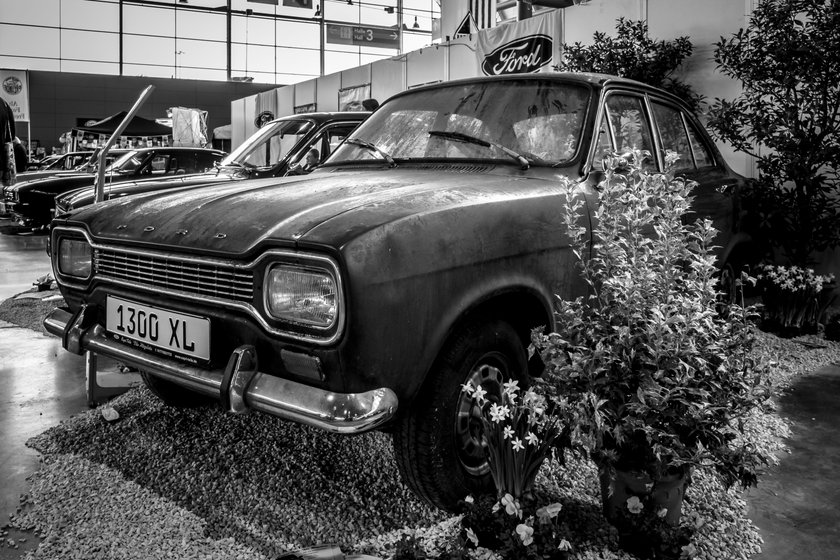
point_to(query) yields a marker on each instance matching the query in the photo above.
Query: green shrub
(651, 378)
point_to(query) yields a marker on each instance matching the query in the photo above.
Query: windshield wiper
(373, 148)
(461, 137)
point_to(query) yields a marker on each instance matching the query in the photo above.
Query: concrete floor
(42, 383)
(23, 258)
(796, 506)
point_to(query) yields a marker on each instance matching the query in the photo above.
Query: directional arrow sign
(363, 36)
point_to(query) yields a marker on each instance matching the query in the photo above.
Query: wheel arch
(523, 307)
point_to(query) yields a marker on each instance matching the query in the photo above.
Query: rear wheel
(438, 443)
(173, 394)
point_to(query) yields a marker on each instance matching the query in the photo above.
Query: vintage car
(56, 164)
(362, 296)
(31, 203)
(272, 151)
(84, 162)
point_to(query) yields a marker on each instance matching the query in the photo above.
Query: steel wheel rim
(490, 374)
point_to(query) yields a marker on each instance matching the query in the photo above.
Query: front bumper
(18, 212)
(240, 386)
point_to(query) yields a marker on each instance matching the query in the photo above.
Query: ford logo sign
(526, 54)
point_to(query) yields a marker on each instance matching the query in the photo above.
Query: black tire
(172, 394)
(436, 443)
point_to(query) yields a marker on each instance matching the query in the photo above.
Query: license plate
(168, 331)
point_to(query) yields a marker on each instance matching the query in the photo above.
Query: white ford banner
(528, 46)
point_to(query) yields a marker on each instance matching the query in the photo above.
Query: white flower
(469, 499)
(511, 506)
(549, 512)
(468, 388)
(511, 387)
(634, 504)
(532, 439)
(508, 432)
(479, 394)
(517, 444)
(564, 545)
(662, 513)
(498, 413)
(526, 534)
(472, 536)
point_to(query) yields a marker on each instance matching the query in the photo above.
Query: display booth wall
(703, 22)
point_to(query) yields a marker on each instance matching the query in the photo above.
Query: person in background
(7, 134)
(21, 157)
(313, 158)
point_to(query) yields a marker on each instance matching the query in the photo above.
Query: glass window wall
(189, 38)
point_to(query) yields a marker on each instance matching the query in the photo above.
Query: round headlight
(303, 295)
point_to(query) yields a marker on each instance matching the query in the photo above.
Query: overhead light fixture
(416, 25)
(349, 2)
(389, 9)
(317, 10)
(183, 1)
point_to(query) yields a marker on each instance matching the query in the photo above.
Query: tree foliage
(633, 54)
(788, 118)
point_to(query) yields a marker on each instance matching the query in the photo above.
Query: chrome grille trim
(200, 278)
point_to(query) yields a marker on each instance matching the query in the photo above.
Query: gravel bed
(198, 483)
(30, 313)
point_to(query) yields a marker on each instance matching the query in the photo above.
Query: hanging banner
(14, 89)
(528, 46)
(351, 98)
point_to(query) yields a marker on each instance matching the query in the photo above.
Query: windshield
(269, 145)
(540, 120)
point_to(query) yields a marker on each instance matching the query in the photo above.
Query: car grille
(199, 278)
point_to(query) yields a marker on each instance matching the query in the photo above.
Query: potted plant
(795, 298)
(651, 377)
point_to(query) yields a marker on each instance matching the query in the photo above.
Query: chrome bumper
(240, 386)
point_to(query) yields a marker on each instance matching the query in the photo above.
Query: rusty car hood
(328, 207)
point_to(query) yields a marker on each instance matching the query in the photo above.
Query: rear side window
(678, 133)
(673, 134)
(702, 155)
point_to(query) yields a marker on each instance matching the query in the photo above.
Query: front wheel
(438, 442)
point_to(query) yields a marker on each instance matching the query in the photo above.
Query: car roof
(327, 116)
(584, 78)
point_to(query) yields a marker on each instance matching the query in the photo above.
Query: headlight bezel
(80, 241)
(313, 266)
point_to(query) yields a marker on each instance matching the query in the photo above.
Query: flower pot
(619, 486)
(641, 530)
